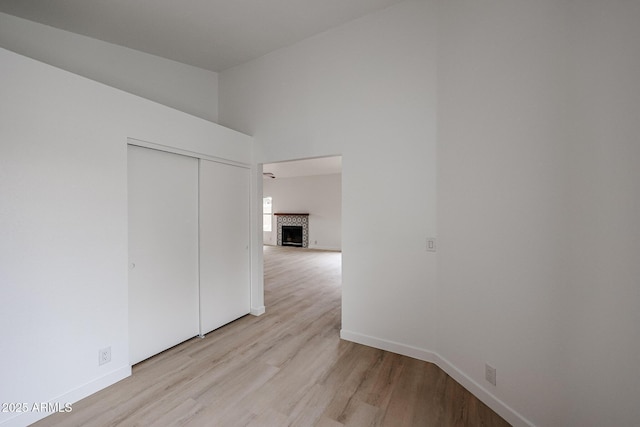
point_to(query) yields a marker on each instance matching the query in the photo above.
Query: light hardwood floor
(286, 367)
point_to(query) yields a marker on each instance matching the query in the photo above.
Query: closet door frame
(188, 153)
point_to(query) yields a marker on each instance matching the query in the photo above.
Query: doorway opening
(305, 193)
(305, 233)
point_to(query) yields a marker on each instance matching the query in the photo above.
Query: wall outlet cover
(490, 374)
(104, 356)
(431, 244)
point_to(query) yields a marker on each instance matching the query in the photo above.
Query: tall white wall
(63, 224)
(603, 295)
(318, 195)
(366, 91)
(538, 204)
(180, 86)
(502, 201)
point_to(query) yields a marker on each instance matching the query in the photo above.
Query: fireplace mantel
(292, 214)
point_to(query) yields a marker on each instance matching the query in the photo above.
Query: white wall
(180, 86)
(366, 91)
(63, 228)
(537, 189)
(318, 195)
(603, 294)
(538, 204)
(502, 197)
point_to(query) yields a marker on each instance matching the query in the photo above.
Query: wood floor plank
(287, 367)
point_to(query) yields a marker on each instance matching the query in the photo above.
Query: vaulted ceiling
(210, 34)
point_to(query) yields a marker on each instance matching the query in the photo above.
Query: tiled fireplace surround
(294, 219)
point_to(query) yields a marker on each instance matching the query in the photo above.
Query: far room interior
(305, 192)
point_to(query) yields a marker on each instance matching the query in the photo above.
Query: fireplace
(292, 235)
(293, 229)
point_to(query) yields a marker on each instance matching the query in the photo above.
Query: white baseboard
(509, 414)
(27, 418)
(316, 247)
(512, 416)
(257, 311)
(392, 346)
(326, 248)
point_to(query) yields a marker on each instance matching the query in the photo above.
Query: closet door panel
(163, 250)
(224, 244)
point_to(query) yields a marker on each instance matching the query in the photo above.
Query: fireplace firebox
(292, 235)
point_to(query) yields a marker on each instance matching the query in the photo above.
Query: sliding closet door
(163, 250)
(224, 244)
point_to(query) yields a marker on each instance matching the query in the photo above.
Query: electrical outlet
(431, 244)
(490, 374)
(104, 356)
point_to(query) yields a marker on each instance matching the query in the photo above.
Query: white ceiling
(210, 34)
(319, 166)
